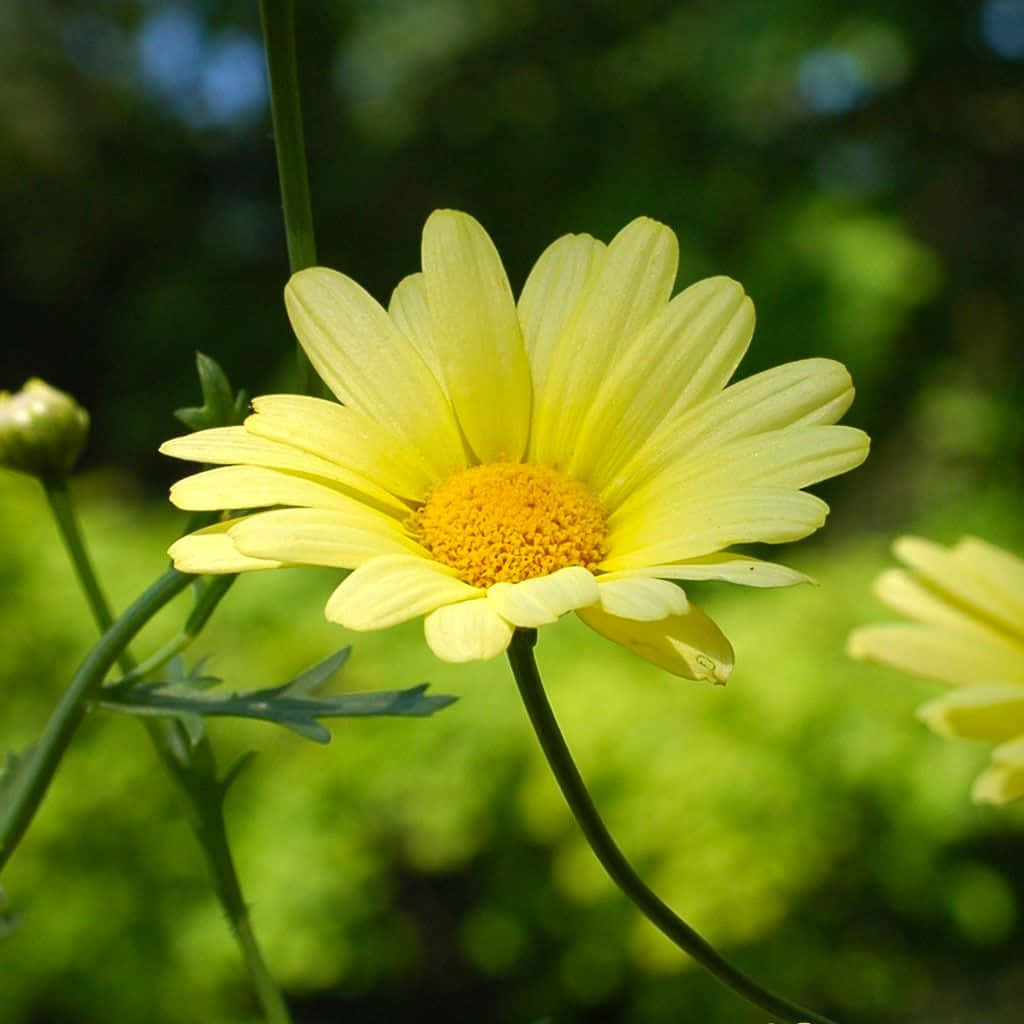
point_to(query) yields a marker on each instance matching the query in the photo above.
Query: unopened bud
(42, 430)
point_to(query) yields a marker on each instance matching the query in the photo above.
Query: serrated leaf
(309, 681)
(221, 407)
(300, 714)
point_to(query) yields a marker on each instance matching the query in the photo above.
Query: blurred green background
(858, 167)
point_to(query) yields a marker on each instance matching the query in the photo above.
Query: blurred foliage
(858, 168)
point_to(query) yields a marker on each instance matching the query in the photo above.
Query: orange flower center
(508, 522)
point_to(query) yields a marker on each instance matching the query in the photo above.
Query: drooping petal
(371, 366)
(540, 601)
(957, 578)
(643, 598)
(339, 434)
(1003, 781)
(237, 446)
(685, 353)
(809, 392)
(334, 537)
(255, 487)
(630, 286)
(936, 653)
(977, 713)
(725, 566)
(477, 335)
(707, 523)
(212, 551)
(552, 296)
(394, 588)
(467, 631)
(688, 645)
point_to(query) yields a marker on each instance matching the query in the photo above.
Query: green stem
(33, 779)
(193, 767)
(531, 688)
(278, 20)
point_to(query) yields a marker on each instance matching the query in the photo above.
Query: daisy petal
(1002, 570)
(343, 539)
(411, 313)
(540, 601)
(236, 446)
(212, 551)
(936, 653)
(959, 580)
(707, 523)
(809, 392)
(556, 286)
(687, 352)
(390, 589)
(254, 487)
(476, 330)
(467, 631)
(339, 434)
(630, 286)
(730, 568)
(370, 365)
(1003, 781)
(977, 713)
(688, 645)
(640, 597)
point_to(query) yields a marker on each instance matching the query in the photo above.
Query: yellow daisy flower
(968, 605)
(496, 464)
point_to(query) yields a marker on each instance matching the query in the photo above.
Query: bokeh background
(858, 167)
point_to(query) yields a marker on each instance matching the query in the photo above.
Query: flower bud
(42, 430)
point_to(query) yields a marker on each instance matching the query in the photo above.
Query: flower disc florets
(506, 522)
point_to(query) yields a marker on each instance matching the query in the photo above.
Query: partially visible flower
(42, 430)
(495, 465)
(967, 603)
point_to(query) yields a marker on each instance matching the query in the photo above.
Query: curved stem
(531, 688)
(278, 20)
(33, 778)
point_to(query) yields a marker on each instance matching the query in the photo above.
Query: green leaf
(221, 407)
(300, 714)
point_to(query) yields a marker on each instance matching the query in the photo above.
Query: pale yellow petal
(937, 653)
(254, 487)
(371, 366)
(339, 434)
(344, 539)
(410, 311)
(688, 645)
(212, 551)
(810, 392)
(792, 458)
(1003, 781)
(700, 524)
(977, 713)
(477, 334)
(684, 354)
(956, 577)
(631, 285)
(552, 295)
(540, 601)
(1002, 570)
(394, 588)
(743, 569)
(467, 631)
(640, 597)
(237, 446)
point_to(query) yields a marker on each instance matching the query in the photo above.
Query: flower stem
(278, 20)
(531, 689)
(33, 777)
(190, 763)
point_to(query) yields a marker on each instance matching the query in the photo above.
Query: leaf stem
(531, 689)
(277, 18)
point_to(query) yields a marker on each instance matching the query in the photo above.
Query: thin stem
(531, 688)
(278, 20)
(33, 779)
